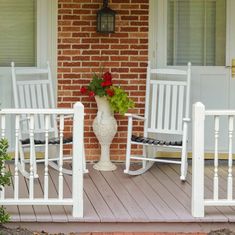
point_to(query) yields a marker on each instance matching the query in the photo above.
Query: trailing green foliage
(4, 217)
(120, 102)
(5, 176)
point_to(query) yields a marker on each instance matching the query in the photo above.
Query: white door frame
(158, 43)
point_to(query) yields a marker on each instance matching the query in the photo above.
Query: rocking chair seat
(52, 141)
(147, 140)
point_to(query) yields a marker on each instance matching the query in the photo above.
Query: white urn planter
(105, 128)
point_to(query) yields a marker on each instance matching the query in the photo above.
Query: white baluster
(216, 179)
(3, 126)
(61, 157)
(3, 130)
(32, 157)
(47, 120)
(17, 127)
(230, 157)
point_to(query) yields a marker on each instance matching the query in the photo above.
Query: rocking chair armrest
(186, 120)
(135, 116)
(24, 119)
(67, 116)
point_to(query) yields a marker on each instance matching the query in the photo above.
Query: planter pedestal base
(104, 166)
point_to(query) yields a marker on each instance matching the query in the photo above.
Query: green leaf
(120, 102)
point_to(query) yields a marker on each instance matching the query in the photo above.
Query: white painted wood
(128, 147)
(180, 108)
(3, 125)
(230, 158)
(78, 127)
(16, 174)
(167, 108)
(3, 133)
(29, 197)
(198, 160)
(160, 107)
(32, 167)
(46, 180)
(216, 178)
(174, 107)
(61, 157)
(154, 107)
(165, 113)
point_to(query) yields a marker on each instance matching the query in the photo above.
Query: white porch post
(78, 127)
(198, 119)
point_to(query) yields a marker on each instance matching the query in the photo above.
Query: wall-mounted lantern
(105, 19)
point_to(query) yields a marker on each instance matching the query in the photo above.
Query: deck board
(57, 212)
(126, 198)
(98, 202)
(166, 212)
(12, 210)
(166, 195)
(110, 197)
(26, 213)
(89, 211)
(114, 197)
(150, 211)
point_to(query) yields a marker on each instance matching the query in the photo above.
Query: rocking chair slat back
(167, 106)
(33, 89)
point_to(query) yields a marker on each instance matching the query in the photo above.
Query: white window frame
(46, 41)
(47, 33)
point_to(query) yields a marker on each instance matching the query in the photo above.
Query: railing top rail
(220, 112)
(37, 111)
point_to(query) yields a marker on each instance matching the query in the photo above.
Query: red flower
(107, 76)
(83, 90)
(106, 83)
(91, 94)
(110, 92)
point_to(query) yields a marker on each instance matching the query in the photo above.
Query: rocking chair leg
(144, 162)
(127, 162)
(85, 170)
(184, 165)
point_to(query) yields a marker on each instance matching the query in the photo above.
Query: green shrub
(5, 176)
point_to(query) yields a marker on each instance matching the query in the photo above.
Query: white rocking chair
(165, 122)
(32, 88)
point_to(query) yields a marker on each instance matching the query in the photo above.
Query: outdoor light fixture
(105, 19)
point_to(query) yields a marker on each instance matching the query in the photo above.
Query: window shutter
(196, 32)
(18, 32)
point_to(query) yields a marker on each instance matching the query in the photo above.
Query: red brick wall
(82, 51)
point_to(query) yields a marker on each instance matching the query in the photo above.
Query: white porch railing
(76, 200)
(198, 197)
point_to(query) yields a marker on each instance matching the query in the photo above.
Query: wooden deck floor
(113, 197)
